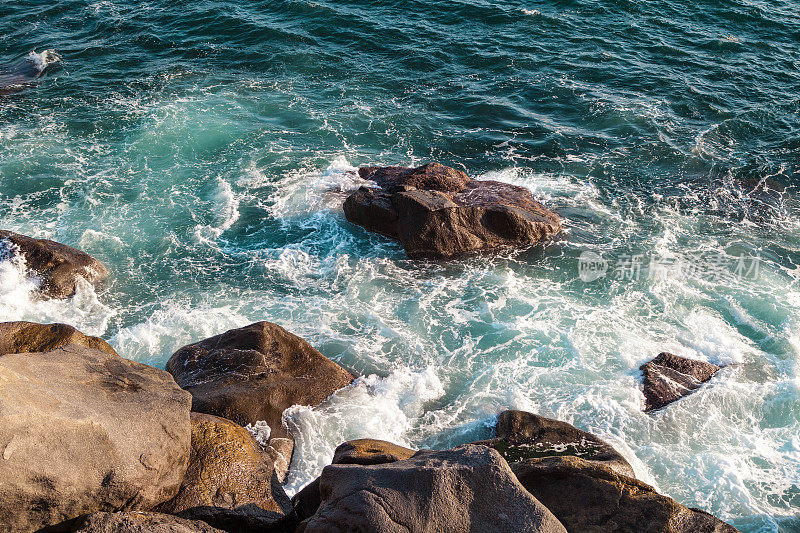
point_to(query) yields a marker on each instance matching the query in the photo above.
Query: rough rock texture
(253, 373)
(469, 488)
(227, 468)
(438, 212)
(370, 452)
(588, 497)
(139, 522)
(671, 377)
(522, 435)
(354, 452)
(83, 431)
(22, 337)
(57, 265)
(245, 519)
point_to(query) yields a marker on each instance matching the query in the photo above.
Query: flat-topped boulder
(439, 212)
(57, 267)
(84, 431)
(588, 497)
(254, 373)
(370, 452)
(469, 488)
(227, 468)
(522, 435)
(22, 337)
(669, 377)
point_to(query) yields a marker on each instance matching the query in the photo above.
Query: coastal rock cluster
(93, 442)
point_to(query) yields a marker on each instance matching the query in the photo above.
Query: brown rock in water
(522, 435)
(22, 337)
(438, 212)
(433, 176)
(670, 377)
(83, 431)
(588, 497)
(370, 452)
(469, 488)
(57, 265)
(139, 522)
(227, 468)
(253, 373)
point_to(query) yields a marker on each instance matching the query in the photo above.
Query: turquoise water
(202, 151)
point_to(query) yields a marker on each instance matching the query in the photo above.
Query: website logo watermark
(714, 267)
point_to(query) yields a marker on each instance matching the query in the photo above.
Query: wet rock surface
(439, 212)
(669, 377)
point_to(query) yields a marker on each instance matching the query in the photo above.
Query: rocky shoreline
(93, 442)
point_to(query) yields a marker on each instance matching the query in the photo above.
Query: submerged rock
(671, 377)
(22, 337)
(57, 266)
(469, 488)
(522, 435)
(588, 497)
(82, 431)
(139, 522)
(438, 212)
(227, 468)
(253, 373)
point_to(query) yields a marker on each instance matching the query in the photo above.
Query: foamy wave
(20, 298)
(372, 407)
(44, 59)
(157, 338)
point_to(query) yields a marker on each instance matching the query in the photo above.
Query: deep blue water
(202, 151)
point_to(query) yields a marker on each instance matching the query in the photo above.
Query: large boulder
(139, 522)
(670, 377)
(25, 337)
(82, 431)
(254, 373)
(354, 452)
(588, 497)
(57, 266)
(227, 468)
(521, 435)
(439, 212)
(469, 488)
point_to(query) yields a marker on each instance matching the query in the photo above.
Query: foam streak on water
(203, 151)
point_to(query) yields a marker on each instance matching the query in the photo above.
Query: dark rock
(245, 519)
(469, 488)
(438, 212)
(83, 431)
(589, 497)
(22, 337)
(253, 373)
(370, 452)
(139, 522)
(522, 435)
(671, 377)
(58, 266)
(228, 469)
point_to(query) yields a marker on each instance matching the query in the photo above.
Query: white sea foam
(20, 298)
(372, 407)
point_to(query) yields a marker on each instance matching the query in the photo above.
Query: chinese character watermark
(718, 267)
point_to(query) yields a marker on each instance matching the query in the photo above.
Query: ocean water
(202, 151)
